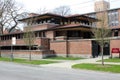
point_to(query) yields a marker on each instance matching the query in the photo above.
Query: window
(75, 33)
(113, 18)
(43, 34)
(116, 33)
(93, 15)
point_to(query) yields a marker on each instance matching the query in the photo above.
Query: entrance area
(106, 49)
(96, 50)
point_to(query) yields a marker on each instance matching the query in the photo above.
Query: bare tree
(9, 14)
(62, 10)
(102, 32)
(42, 11)
(29, 37)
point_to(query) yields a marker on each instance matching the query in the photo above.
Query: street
(13, 71)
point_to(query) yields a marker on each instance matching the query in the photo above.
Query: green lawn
(111, 60)
(98, 67)
(64, 58)
(25, 61)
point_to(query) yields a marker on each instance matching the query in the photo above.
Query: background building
(112, 16)
(112, 20)
(101, 5)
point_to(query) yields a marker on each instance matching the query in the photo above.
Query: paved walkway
(68, 64)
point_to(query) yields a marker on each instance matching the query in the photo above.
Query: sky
(77, 6)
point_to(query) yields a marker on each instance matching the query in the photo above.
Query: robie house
(57, 35)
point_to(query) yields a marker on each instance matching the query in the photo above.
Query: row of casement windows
(20, 36)
(113, 18)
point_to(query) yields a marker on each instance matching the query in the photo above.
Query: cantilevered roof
(70, 26)
(50, 15)
(82, 17)
(43, 16)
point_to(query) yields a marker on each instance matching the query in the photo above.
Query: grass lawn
(98, 67)
(25, 61)
(64, 58)
(111, 60)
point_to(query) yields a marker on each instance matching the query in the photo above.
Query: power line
(88, 8)
(93, 6)
(81, 3)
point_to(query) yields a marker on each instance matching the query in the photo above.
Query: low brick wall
(38, 41)
(59, 47)
(35, 55)
(72, 47)
(80, 47)
(115, 43)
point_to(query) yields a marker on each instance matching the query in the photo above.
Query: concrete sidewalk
(68, 64)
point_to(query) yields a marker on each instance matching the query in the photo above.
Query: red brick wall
(58, 47)
(38, 41)
(80, 47)
(115, 43)
(25, 54)
(50, 34)
(36, 27)
(45, 42)
(6, 42)
(74, 47)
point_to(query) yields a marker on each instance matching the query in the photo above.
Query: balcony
(9, 42)
(37, 27)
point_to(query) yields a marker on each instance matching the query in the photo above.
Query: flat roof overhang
(51, 15)
(42, 16)
(72, 27)
(83, 17)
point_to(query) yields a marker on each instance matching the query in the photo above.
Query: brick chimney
(33, 14)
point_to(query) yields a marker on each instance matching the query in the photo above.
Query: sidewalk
(68, 64)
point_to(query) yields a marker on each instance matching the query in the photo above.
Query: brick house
(63, 35)
(58, 34)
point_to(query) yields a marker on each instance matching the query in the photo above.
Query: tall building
(111, 16)
(101, 5)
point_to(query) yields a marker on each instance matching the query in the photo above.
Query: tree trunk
(67, 48)
(0, 52)
(11, 56)
(29, 53)
(102, 55)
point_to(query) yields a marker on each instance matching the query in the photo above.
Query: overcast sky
(77, 6)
